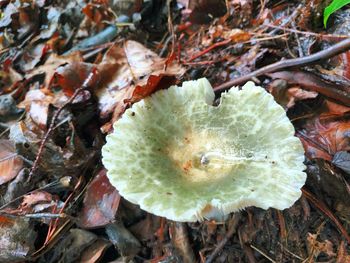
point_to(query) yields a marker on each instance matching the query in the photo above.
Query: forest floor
(68, 71)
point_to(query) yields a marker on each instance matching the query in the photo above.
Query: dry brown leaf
(36, 104)
(129, 72)
(10, 162)
(51, 64)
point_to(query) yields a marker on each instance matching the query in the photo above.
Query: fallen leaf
(28, 20)
(51, 64)
(32, 56)
(17, 238)
(36, 104)
(8, 108)
(202, 12)
(100, 204)
(236, 35)
(72, 76)
(314, 83)
(53, 16)
(94, 252)
(333, 109)
(343, 255)
(34, 202)
(98, 12)
(37, 201)
(129, 72)
(9, 79)
(341, 159)
(287, 96)
(316, 247)
(323, 140)
(71, 246)
(6, 18)
(10, 162)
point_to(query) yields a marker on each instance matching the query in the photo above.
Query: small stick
(231, 231)
(262, 253)
(201, 53)
(288, 63)
(54, 118)
(322, 36)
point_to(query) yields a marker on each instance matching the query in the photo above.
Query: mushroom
(180, 157)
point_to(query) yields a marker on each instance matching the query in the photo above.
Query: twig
(201, 53)
(282, 225)
(288, 63)
(84, 86)
(231, 231)
(290, 18)
(322, 36)
(262, 253)
(321, 206)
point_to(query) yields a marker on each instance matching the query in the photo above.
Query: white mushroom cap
(179, 157)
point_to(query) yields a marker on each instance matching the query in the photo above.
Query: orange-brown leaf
(10, 162)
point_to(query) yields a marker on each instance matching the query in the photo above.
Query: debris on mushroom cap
(179, 157)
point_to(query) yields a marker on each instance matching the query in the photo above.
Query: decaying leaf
(101, 202)
(70, 247)
(316, 247)
(236, 35)
(323, 140)
(341, 159)
(35, 202)
(94, 252)
(130, 72)
(10, 162)
(17, 238)
(36, 104)
(51, 64)
(287, 96)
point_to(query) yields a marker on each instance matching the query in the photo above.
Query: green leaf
(334, 6)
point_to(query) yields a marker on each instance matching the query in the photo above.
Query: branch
(288, 63)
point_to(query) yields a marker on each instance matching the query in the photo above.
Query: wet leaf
(101, 202)
(10, 162)
(287, 96)
(323, 140)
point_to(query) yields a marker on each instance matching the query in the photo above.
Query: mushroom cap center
(204, 156)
